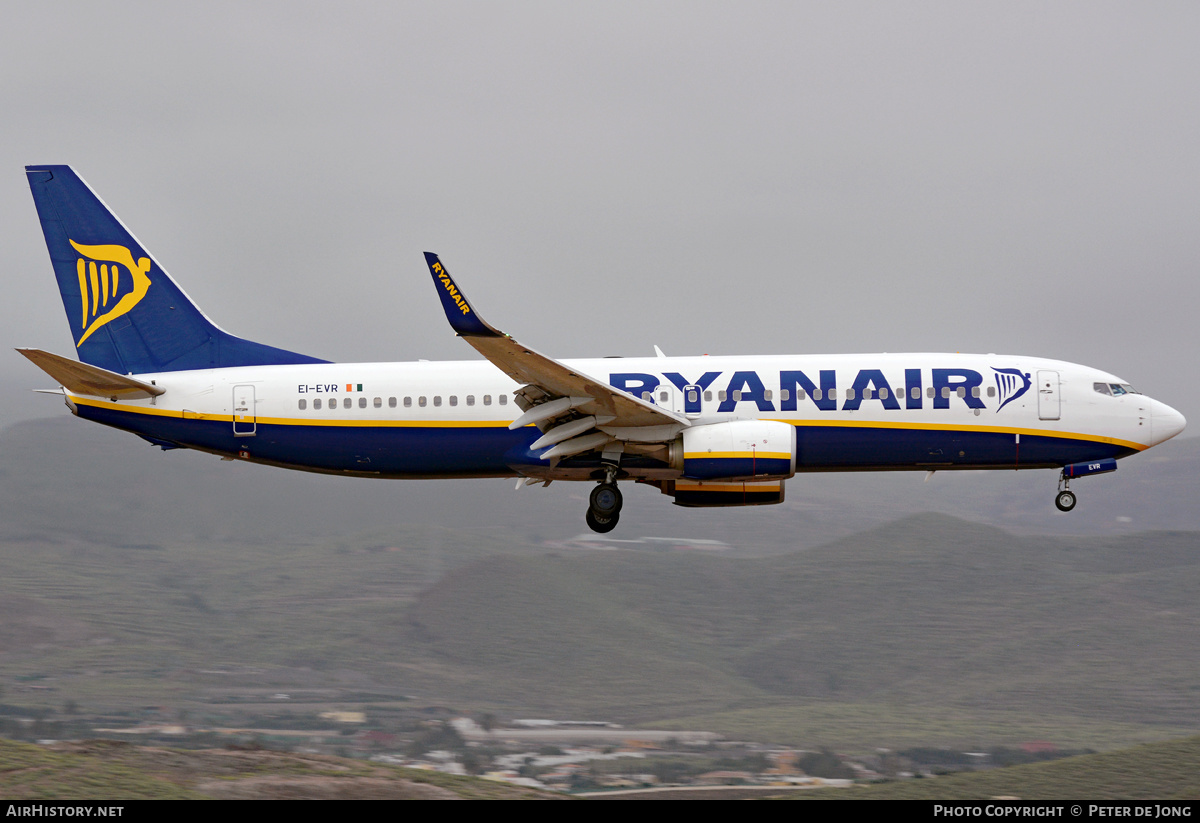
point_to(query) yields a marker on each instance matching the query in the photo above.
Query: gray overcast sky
(723, 178)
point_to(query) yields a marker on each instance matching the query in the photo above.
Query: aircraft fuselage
(865, 412)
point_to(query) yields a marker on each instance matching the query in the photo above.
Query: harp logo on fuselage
(102, 284)
(1011, 383)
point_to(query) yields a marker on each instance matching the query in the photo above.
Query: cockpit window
(1114, 389)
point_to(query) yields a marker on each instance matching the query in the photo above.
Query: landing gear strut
(604, 505)
(1065, 499)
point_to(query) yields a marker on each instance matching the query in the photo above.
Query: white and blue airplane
(706, 431)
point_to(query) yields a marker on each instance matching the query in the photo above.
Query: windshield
(1114, 389)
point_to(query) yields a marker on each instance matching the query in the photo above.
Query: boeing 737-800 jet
(706, 431)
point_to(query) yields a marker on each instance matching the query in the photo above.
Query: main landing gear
(604, 505)
(1065, 499)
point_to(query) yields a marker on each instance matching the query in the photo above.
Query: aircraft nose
(1165, 422)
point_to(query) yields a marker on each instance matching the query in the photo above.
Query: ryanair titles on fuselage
(796, 386)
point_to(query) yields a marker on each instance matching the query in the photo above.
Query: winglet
(459, 312)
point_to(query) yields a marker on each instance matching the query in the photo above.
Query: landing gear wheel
(605, 500)
(601, 525)
(1065, 500)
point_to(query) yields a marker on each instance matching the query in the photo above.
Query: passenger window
(408, 403)
(974, 391)
(708, 397)
(849, 394)
(767, 394)
(831, 394)
(929, 392)
(991, 391)
(647, 396)
(737, 395)
(362, 402)
(317, 403)
(391, 402)
(503, 399)
(961, 391)
(378, 402)
(784, 394)
(721, 396)
(421, 401)
(800, 395)
(945, 391)
(454, 400)
(470, 400)
(437, 400)
(303, 405)
(487, 400)
(916, 393)
(662, 396)
(693, 396)
(818, 394)
(347, 402)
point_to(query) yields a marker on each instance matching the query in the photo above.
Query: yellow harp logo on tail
(101, 280)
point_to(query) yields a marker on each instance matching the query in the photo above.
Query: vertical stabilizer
(125, 312)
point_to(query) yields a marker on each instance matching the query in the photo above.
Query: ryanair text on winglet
(451, 288)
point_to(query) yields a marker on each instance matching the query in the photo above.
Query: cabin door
(1048, 396)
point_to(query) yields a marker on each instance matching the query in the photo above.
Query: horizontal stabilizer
(80, 378)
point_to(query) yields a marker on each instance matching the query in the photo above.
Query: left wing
(558, 388)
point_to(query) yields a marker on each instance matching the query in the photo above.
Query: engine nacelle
(739, 450)
(702, 493)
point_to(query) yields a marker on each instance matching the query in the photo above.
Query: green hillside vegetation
(1158, 771)
(118, 599)
(106, 770)
(929, 612)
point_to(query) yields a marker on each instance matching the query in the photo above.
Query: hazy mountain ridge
(177, 577)
(929, 610)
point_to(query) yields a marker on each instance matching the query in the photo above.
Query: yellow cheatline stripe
(286, 421)
(738, 455)
(1061, 435)
(684, 485)
(150, 410)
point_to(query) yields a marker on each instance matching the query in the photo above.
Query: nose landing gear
(1065, 499)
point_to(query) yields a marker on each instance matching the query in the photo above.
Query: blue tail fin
(126, 313)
